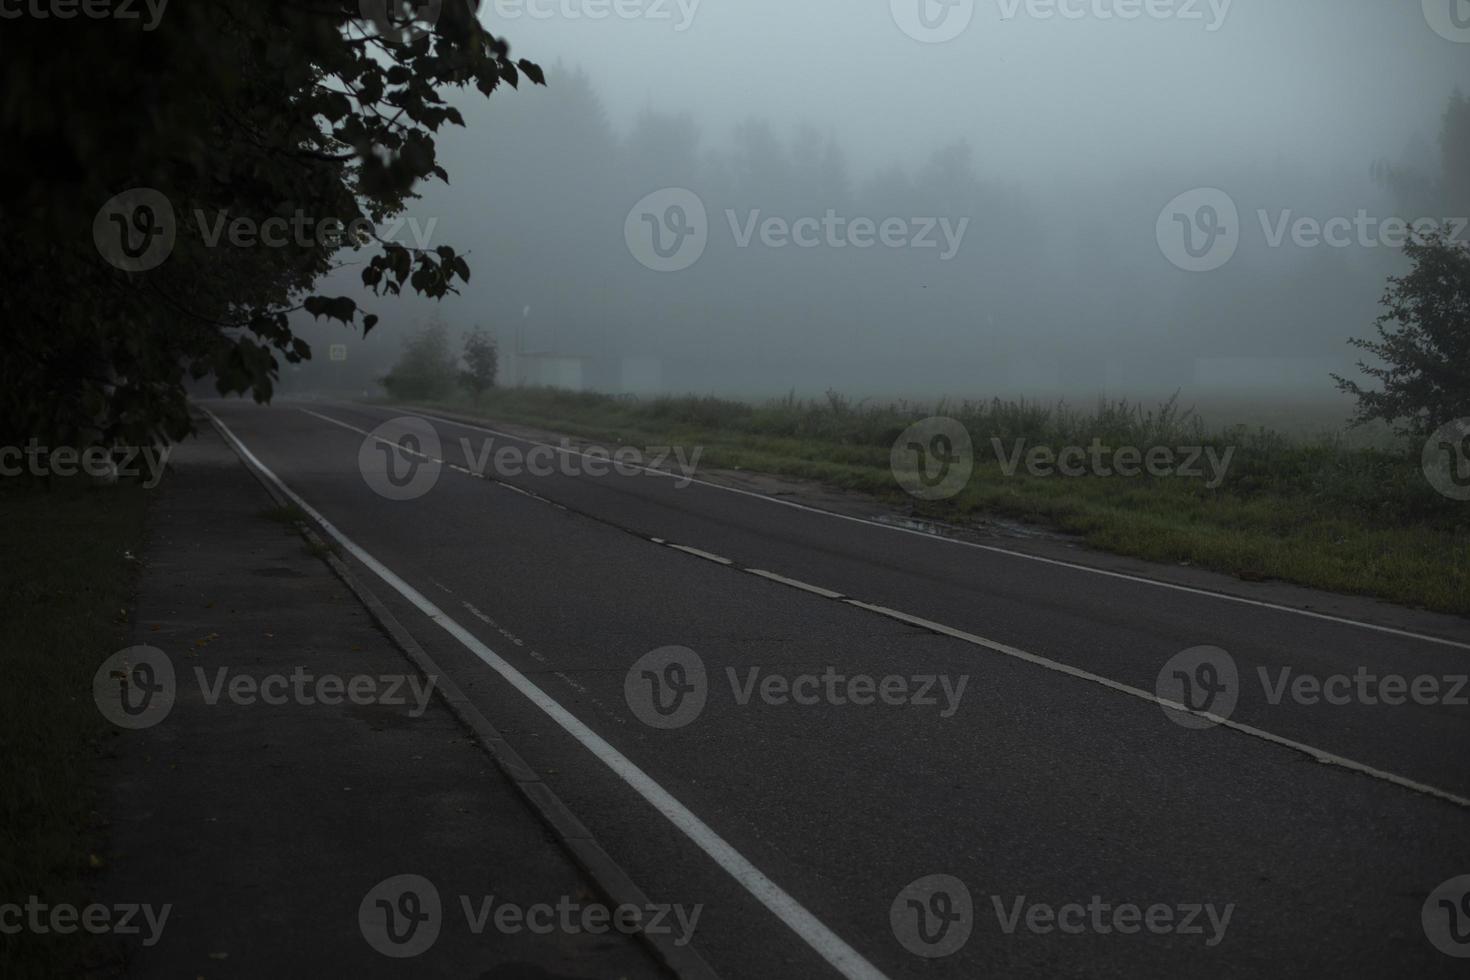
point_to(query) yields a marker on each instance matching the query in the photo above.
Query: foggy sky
(1059, 141)
(1331, 83)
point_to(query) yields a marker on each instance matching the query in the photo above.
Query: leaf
(261, 111)
(335, 106)
(342, 308)
(533, 71)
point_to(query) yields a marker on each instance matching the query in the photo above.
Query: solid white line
(1319, 755)
(842, 957)
(1260, 603)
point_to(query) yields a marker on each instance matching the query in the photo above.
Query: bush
(483, 358)
(426, 371)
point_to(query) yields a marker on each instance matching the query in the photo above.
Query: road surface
(873, 752)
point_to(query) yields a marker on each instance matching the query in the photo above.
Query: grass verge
(1317, 512)
(67, 582)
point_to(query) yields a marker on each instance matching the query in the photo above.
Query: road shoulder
(265, 827)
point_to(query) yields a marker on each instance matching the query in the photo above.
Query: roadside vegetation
(324, 116)
(1319, 512)
(428, 370)
(1329, 512)
(67, 583)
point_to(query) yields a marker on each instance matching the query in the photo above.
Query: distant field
(1320, 511)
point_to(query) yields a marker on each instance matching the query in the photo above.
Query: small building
(637, 375)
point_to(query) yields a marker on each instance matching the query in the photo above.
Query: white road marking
(571, 683)
(1259, 603)
(524, 493)
(783, 580)
(707, 556)
(827, 944)
(476, 613)
(1320, 755)
(414, 452)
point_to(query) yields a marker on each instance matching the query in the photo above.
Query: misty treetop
(244, 118)
(1054, 291)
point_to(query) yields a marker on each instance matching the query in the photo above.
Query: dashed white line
(993, 549)
(1319, 755)
(706, 555)
(469, 606)
(795, 584)
(570, 683)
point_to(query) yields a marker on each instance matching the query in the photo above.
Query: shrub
(426, 370)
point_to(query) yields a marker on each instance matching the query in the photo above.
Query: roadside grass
(1318, 511)
(67, 582)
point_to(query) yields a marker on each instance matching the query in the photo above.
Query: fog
(1030, 161)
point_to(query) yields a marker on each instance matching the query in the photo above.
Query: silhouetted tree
(1424, 343)
(1449, 190)
(483, 360)
(227, 111)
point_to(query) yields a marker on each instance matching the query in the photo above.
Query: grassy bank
(1312, 511)
(67, 578)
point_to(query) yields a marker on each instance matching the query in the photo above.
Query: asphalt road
(1081, 826)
